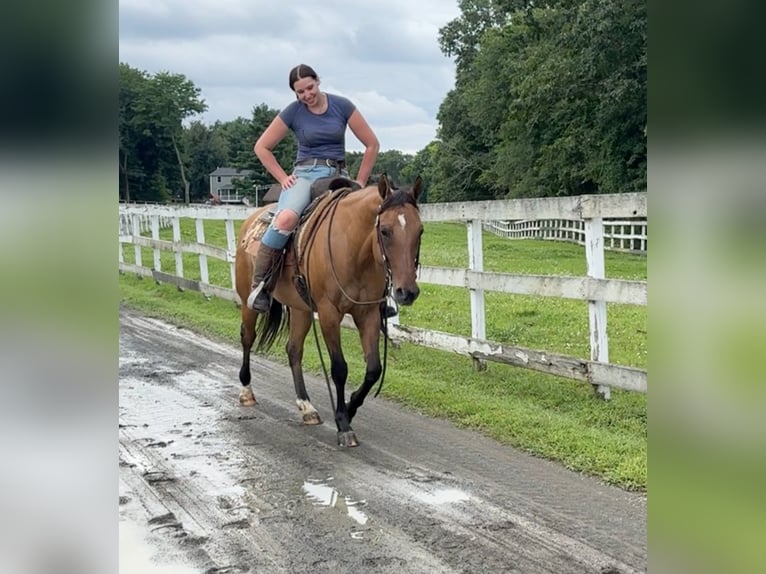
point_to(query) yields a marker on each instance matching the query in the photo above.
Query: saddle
(319, 189)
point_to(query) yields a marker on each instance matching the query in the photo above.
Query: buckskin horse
(353, 248)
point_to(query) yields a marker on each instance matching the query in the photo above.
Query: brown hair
(301, 71)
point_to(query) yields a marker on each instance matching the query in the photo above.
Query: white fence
(130, 222)
(590, 210)
(629, 235)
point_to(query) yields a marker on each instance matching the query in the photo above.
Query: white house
(222, 184)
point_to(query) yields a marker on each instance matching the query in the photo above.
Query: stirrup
(254, 294)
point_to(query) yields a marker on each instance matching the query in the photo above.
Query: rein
(329, 211)
(386, 266)
(307, 251)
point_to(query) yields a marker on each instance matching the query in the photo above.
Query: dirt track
(218, 488)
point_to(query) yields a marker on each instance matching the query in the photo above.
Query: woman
(319, 122)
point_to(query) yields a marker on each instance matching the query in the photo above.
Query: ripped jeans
(296, 199)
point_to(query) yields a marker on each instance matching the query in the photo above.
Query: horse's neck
(360, 205)
(364, 203)
(356, 217)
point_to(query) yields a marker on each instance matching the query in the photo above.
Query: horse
(351, 251)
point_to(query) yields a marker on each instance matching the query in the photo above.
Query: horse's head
(399, 231)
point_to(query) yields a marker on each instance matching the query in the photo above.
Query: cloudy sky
(383, 54)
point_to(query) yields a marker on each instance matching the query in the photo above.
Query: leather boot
(265, 275)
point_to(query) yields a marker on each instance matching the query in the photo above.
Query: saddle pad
(251, 240)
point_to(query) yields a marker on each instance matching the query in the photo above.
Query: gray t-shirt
(321, 136)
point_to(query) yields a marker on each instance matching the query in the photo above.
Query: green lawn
(549, 416)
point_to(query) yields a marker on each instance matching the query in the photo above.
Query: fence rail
(588, 211)
(628, 235)
(143, 221)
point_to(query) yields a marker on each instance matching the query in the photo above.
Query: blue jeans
(296, 198)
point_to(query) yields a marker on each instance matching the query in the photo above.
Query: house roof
(229, 171)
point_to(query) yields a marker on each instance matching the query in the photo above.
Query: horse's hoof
(312, 419)
(309, 414)
(347, 439)
(247, 398)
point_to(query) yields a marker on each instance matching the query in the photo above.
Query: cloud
(383, 55)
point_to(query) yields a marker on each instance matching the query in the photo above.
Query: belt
(339, 163)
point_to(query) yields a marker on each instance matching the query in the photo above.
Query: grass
(545, 415)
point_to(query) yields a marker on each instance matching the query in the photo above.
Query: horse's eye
(386, 232)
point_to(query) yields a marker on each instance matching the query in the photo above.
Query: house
(222, 188)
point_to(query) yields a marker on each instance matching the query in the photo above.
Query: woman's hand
(288, 182)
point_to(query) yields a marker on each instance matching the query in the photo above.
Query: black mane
(398, 197)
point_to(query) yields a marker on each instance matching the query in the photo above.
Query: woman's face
(307, 90)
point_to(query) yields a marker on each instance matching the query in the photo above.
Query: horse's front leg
(300, 322)
(330, 323)
(369, 329)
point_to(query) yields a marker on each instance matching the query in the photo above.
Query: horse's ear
(384, 186)
(417, 188)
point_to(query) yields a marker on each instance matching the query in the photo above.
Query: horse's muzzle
(406, 296)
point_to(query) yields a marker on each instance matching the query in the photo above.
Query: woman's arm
(271, 136)
(364, 134)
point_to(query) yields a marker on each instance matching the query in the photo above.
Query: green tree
(423, 164)
(131, 131)
(243, 156)
(206, 151)
(391, 162)
(151, 113)
(548, 100)
(175, 98)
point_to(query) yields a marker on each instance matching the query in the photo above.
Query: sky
(382, 54)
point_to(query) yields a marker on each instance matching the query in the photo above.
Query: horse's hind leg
(300, 323)
(247, 337)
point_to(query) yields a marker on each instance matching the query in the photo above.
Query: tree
(392, 163)
(241, 135)
(132, 85)
(206, 150)
(151, 112)
(461, 38)
(423, 164)
(175, 98)
(549, 100)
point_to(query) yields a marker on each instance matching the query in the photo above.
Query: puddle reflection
(322, 494)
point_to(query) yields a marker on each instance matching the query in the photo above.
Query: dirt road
(209, 486)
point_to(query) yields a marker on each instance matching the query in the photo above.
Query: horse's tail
(271, 325)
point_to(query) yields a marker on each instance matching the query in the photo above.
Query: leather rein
(329, 211)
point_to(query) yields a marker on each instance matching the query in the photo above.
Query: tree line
(549, 100)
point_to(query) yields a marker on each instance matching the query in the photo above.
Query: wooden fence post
(476, 263)
(231, 245)
(594, 256)
(156, 236)
(136, 224)
(204, 276)
(178, 252)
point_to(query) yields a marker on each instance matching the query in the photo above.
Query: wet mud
(209, 486)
